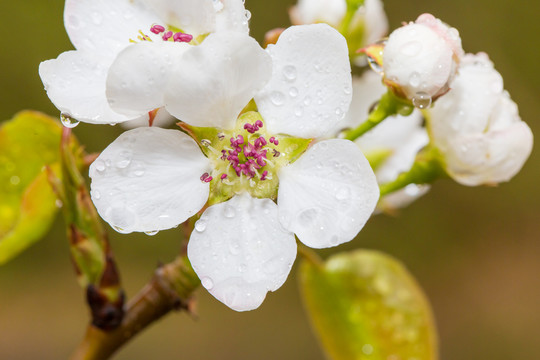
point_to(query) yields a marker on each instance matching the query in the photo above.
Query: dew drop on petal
(138, 170)
(308, 217)
(207, 283)
(307, 100)
(421, 100)
(289, 72)
(200, 225)
(412, 48)
(277, 98)
(414, 79)
(298, 111)
(68, 121)
(123, 160)
(151, 233)
(96, 195)
(229, 212)
(248, 15)
(293, 92)
(99, 165)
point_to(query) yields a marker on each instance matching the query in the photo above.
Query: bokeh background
(475, 251)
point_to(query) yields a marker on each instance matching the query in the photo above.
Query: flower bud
(420, 59)
(477, 128)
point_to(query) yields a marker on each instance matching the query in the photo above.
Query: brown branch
(170, 289)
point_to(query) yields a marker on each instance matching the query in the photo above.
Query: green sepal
(365, 305)
(201, 135)
(29, 145)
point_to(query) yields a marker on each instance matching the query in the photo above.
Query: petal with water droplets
(216, 80)
(306, 95)
(149, 179)
(327, 195)
(138, 76)
(75, 83)
(240, 251)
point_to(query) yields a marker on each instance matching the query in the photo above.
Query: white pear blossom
(477, 128)
(243, 245)
(101, 29)
(421, 58)
(397, 139)
(370, 16)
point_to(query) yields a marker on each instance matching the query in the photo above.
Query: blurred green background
(475, 251)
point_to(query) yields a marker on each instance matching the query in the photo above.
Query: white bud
(477, 128)
(420, 59)
(315, 11)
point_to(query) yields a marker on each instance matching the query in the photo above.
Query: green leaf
(28, 143)
(365, 305)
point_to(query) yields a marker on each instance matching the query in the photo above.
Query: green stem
(427, 168)
(387, 106)
(170, 289)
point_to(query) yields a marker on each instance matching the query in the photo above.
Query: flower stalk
(387, 106)
(170, 289)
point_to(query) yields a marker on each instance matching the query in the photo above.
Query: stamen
(208, 179)
(205, 176)
(181, 37)
(157, 29)
(223, 176)
(276, 153)
(264, 174)
(167, 35)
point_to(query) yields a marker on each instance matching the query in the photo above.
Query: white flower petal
(420, 58)
(149, 179)
(310, 88)
(375, 20)
(240, 251)
(216, 80)
(402, 136)
(106, 26)
(489, 158)
(233, 16)
(366, 91)
(138, 76)
(195, 17)
(75, 83)
(163, 120)
(319, 11)
(327, 195)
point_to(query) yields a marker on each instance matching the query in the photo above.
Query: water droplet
(339, 112)
(58, 203)
(367, 349)
(347, 89)
(151, 233)
(412, 48)
(207, 283)
(229, 212)
(421, 100)
(68, 121)
(99, 165)
(242, 268)
(121, 218)
(248, 15)
(15, 180)
(200, 225)
(307, 100)
(293, 92)
(414, 79)
(277, 98)
(308, 217)
(123, 160)
(96, 195)
(138, 170)
(289, 72)
(343, 193)
(206, 142)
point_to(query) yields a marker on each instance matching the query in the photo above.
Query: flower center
(246, 158)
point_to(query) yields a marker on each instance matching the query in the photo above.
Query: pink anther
(181, 37)
(205, 176)
(157, 29)
(223, 176)
(276, 142)
(208, 179)
(167, 35)
(264, 174)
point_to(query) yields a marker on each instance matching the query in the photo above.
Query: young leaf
(365, 305)
(28, 143)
